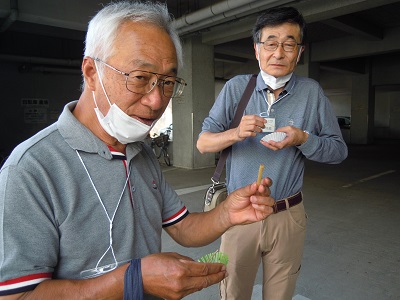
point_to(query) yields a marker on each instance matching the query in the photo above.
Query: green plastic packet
(214, 257)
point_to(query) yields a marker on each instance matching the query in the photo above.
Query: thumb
(247, 190)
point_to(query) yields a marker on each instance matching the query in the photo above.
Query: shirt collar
(79, 137)
(260, 85)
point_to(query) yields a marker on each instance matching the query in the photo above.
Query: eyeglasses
(143, 82)
(288, 46)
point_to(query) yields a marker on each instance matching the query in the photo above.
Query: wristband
(306, 140)
(133, 284)
(308, 134)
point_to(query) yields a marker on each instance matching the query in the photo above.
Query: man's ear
(256, 50)
(89, 72)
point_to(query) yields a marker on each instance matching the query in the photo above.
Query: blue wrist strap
(133, 284)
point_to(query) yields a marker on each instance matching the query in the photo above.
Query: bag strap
(235, 122)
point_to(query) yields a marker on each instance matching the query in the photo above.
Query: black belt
(280, 205)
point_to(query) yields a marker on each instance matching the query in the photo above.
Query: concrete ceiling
(340, 32)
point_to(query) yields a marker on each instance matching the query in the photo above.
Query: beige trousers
(278, 243)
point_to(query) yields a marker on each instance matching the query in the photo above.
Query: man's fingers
(250, 125)
(203, 269)
(203, 275)
(174, 276)
(266, 182)
(262, 200)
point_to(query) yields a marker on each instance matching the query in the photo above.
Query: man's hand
(249, 125)
(249, 204)
(173, 276)
(294, 137)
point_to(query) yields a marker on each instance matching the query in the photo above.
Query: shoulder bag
(217, 192)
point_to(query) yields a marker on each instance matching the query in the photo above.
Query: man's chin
(277, 74)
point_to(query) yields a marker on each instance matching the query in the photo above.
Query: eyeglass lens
(142, 82)
(288, 46)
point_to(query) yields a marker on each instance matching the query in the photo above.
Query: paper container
(274, 136)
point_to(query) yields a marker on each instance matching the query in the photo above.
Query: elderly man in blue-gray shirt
(297, 108)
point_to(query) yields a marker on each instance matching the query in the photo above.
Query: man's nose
(279, 52)
(155, 99)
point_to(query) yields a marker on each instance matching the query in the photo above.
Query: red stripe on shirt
(176, 217)
(122, 156)
(26, 278)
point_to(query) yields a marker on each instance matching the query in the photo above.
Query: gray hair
(103, 27)
(276, 16)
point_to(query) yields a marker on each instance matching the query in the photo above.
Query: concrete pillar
(305, 67)
(362, 109)
(189, 111)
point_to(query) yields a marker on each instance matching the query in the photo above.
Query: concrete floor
(352, 248)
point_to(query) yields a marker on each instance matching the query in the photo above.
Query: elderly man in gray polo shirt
(83, 202)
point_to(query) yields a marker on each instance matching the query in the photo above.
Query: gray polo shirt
(302, 104)
(53, 224)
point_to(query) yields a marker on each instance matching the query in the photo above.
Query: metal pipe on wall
(12, 17)
(210, 11)
(41, 60)
(212, 15)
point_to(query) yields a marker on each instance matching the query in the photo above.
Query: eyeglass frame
(282, 44)
(157, 82)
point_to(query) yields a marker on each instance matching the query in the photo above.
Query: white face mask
(273, 82)
(118, 124)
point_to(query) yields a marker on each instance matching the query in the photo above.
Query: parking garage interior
(353, 51)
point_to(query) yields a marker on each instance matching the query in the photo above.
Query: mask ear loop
(94, 99)
(101, 83)
(298, 56)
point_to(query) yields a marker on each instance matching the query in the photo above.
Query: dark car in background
(344, 122)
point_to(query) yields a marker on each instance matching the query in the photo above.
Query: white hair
(103, 27)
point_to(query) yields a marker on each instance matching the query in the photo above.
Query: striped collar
(117, 154)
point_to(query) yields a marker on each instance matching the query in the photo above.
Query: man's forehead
(148, 48)
(146, 65)
(275, 37)
(284, 31)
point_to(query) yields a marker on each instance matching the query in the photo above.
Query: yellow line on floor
(192, 189)
(369, 178)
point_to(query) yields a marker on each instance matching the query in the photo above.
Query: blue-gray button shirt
(302, 104)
